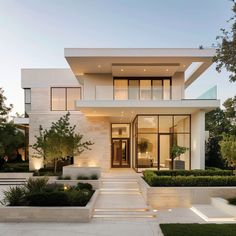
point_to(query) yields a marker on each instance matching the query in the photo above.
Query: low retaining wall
(74, 171)
(48, 214)
(15, 175)
(176, 197)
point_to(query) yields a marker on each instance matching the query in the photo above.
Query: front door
(120, 153)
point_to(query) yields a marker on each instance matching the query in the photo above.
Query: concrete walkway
(120, 196)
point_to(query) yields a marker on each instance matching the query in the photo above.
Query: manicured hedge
(186, 181)
(194, 172)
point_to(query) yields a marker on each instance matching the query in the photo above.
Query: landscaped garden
(189, 178)
(38, 192)
(198, 229)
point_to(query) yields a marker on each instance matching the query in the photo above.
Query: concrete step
(124, 213)
(212, 214)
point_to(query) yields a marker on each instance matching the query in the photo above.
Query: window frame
(65, 88)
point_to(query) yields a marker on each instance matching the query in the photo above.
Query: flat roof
(124, 61)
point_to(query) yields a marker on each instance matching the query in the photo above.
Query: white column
(198, 140)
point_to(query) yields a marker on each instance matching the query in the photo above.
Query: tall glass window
(121, 89)
(154, 137)
(63, 99)
(145, 89)
(27, 101)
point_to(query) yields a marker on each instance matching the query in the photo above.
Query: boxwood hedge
(194, 172)
(186, 181)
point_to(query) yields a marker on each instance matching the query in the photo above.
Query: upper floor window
(136, 88)
(63, 99)
(27, 101)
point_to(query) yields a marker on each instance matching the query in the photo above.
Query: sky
(34, 33)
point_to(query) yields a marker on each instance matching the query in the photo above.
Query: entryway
(120, 153)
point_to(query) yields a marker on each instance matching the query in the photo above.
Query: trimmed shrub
(87, 186)
(194, 172)
(232, 201)
(79, 197)
(185, 181)
(15, 196)
(94, 176)
(57, 198)
(82, 177)
(61, 177)
(36, 185)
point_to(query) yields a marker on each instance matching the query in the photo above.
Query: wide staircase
(120, 197)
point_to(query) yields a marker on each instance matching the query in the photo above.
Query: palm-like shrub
(15, 196)
(36, 185)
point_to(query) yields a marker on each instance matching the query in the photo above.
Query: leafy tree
(176, 151)
(229, 105)
(213, 153)
(4, 109)
(217, 122)
(59, 142)
(228, 149)
(11, 139)
(226, 48)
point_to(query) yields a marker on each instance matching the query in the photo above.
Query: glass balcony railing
(150, 93)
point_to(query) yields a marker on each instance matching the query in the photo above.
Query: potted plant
(176, 151)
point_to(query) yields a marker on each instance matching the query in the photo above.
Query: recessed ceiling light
(184, 65)
(121, 69)
(99, 66)
(167, 70)
(144, 70)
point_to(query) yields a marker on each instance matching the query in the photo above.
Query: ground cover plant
(37, 192)
(198, 229)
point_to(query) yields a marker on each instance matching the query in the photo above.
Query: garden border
(48, 214)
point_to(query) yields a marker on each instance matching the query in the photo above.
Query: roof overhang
(139, 61)
(128, 109)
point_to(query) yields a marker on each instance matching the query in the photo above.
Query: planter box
(175, 197)
(74, 171)
(223, 205)
(48, 214)
(15, 175)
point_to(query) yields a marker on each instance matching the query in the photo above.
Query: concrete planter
(15, 175)
(223, 205)
(48, 214)
(74, 171)
(175, 197)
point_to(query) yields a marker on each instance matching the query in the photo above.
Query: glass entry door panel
(165, 161)
(120, 153)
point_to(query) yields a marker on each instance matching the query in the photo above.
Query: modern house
(131, 102)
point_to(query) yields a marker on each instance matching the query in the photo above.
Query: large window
(154, 137)
(63, 99)
(148, 88)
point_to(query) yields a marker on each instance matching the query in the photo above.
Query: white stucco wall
(198, 140)
(178, 86)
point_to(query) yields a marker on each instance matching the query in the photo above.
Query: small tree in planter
(59, 142)
(176, 151)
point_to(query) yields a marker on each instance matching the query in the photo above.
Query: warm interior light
(167, 69)
(144, 70)
(99, 66)
(122, 70)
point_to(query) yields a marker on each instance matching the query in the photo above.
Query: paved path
(107, 226)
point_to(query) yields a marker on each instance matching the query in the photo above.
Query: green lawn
(198, 229)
